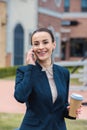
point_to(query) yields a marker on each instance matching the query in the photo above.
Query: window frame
(84, 5)
(66, 5)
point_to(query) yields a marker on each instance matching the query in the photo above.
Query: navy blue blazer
(32, 87)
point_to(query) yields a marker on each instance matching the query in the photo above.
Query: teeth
(42, 52)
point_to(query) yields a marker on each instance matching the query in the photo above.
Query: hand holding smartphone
(31, 57)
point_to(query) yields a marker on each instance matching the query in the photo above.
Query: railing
(82, 73)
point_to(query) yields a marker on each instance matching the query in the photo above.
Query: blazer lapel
(58, 83)
(47, 90)
(45, 87)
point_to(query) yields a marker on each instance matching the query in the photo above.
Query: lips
(42, 53)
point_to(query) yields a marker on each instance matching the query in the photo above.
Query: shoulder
(25, 68)
(61, 70)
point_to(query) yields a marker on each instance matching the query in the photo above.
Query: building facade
(21, 20)
(66, 18)
(49, 15)
(73, 30)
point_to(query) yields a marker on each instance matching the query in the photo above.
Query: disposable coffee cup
(75, 103)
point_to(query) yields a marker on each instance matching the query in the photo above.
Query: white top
(49, 72)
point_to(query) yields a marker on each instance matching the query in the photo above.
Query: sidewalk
(7, 101)
(10, 105)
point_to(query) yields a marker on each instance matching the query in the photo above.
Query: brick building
(66, 18)
(49, 15)
(74, 32)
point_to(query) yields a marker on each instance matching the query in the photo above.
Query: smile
(42, 53)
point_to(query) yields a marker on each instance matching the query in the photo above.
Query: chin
(42, 59)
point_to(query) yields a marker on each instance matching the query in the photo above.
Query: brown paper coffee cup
(75, 103)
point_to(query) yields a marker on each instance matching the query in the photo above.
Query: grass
(13, 121)
(72, 81)
(9, 78)
(10, 121)
(75, 82)
(76, 124)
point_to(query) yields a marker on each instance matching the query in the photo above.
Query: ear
(54, 45)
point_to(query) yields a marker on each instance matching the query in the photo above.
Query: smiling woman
(43, 44)
(43, 86)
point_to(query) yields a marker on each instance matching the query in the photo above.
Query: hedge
(11, 71)
(7, 71)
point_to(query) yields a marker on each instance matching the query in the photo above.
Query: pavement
(8, 104)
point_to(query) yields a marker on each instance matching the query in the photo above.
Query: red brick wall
(80, 30)
(50, 4)
(75, 5)
(45, 21)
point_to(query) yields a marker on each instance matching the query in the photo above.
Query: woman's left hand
(78, 111)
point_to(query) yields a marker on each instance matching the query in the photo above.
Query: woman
(43, 86)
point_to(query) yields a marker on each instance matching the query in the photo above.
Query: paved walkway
(9, 105)
(7, 101)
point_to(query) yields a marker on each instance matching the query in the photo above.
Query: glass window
(58, 2)
(44, 0)
(57, 49)
(65, 23)
(84, 5)
(76, 48)
(66, 5)
(18, 44)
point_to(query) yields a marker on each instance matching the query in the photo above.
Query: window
(69, 23)
(58, 2)
(77, 48)
(18, 44)
(65, 23)
(66, 5)
(84, 5)
(56, 52)
(44, 0)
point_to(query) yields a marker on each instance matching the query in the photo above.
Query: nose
(41, 46)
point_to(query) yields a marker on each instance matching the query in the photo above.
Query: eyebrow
(45, 40)
(42, 40)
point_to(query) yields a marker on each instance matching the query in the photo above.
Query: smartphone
(33, 56)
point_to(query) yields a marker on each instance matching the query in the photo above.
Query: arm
(67, 77)
(67, 106)
(23, 86)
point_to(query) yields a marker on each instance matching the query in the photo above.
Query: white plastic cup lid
(76, 96)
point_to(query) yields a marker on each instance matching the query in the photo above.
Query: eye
(35, 43)
(45, 42)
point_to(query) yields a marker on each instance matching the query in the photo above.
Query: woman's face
(43, 45)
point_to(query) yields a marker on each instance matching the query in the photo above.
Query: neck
(45, 64)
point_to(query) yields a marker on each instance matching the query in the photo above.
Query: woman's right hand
(31, 58)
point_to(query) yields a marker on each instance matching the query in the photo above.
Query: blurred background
(67, 19)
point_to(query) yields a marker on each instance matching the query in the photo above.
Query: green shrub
(74, 68)
(8, 71)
